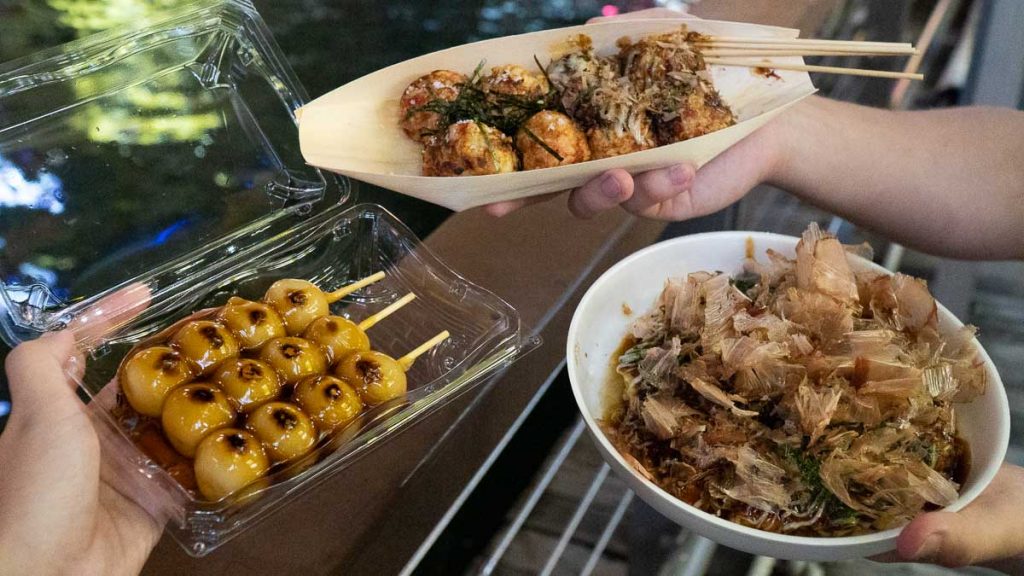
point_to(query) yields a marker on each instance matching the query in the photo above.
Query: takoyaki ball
(514, 80)
(247, 382)
(609, 141)
(298, 302)
(336, 335)
(438, 85)
(149, 375)
(329, 401)
(376, 377)
(575, 75)
(285, 431)
(205, 344)
(701, 111)
(191, 412)
(252, 323)
(469, 148)
(559, 133)
(294, 358)
(654, 60)
(227, 461)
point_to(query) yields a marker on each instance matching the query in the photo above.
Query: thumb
(38, 380)
(988, 529)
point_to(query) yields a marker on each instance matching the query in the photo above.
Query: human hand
(986, 532)
(57, 516)
(677, 192)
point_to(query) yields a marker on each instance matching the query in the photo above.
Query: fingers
(37, 378)
(43, 373)
(111, 312)
(656, 188)
(644, 14)
(662, 194)
(602, 193)
(987, 529)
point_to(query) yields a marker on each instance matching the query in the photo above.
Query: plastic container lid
(145, 154)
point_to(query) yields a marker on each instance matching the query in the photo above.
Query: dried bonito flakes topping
(580, 107)
(801, 396)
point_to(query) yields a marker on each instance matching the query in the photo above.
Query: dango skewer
(378, 377)
(299, 302)
(338, 335)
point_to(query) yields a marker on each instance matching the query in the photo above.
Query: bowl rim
(994, 385)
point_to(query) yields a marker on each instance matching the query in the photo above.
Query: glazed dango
(191, 412)
(294, 358)
(329, 401)
(149, 375)
(300, 302)
(252, 323)
(247, 382)
(378, 377)
(338, 335)
(285, 430)
(205, 344)
(215, 389)
(227, 461)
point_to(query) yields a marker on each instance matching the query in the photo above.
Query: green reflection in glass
(154, 113)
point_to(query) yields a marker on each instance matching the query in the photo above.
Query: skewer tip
(357, 285)
(407, 361)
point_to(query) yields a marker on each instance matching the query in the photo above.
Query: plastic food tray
(162, 160)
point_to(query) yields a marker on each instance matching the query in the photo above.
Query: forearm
(949, 182)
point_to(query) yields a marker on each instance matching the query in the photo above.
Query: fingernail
(679, 175)
(610, 187)
(929, 548)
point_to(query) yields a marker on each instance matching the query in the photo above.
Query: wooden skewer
(771, 53)
(369, 321)
(811, 68)
(346, 290)
(755, 53)
(803, 49)
(863, 44)
(406, 361)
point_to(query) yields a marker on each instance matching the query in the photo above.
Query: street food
(331, 402)
(246, 366)
(247, 382)
(149, 374)
(285, 431)
(191, 412)
(582, 106)
(227, 461)
(800, 396)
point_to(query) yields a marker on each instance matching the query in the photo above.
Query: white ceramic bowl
(601, 322)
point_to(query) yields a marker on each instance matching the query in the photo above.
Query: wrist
(781, 140)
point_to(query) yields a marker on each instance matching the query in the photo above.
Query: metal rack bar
(574, 522)
(549, 474)
(606, 534)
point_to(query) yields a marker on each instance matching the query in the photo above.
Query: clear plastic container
(162, 161)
